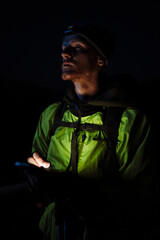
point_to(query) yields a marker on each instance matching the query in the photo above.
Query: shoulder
(47, 117)
(48, 114)
(51, 109)
(134, 118)
(133, 114)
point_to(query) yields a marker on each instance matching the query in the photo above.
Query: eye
(78, 47)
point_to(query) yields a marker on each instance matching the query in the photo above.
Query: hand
(38, 161)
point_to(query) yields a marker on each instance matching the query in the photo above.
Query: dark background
(30, 66)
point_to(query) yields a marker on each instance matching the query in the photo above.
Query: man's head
(85, 51)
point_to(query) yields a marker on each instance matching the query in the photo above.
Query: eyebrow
(74, 41)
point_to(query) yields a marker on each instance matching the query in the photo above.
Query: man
(78, 135)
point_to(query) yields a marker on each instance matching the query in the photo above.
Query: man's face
(79, 59)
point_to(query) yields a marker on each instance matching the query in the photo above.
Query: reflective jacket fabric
(92, 145)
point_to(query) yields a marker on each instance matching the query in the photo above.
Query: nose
(65, 56)
(66, 53)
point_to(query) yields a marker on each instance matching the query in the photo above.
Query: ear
(102, 62)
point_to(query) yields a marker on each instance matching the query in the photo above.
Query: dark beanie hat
(99, 37)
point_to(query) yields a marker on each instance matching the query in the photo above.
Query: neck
(87, 87)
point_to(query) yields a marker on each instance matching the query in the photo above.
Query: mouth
(67, 64)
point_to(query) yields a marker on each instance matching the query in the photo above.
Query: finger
(31, 160)
(40, 161)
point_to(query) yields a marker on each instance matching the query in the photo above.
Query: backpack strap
(110, 166)
(58, 116)
(112, 117)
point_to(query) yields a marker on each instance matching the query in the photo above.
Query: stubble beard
(76, 77)
(84, 82)
(72, 76)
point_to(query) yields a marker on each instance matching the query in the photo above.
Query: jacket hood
(118, 90)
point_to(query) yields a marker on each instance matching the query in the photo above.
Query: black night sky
(31, 38)
(30, 67)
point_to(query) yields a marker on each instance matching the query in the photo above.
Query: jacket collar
(120, 91)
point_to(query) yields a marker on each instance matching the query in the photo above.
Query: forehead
(73, 38)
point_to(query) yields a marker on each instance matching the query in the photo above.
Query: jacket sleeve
(131, 148)
(42, 135)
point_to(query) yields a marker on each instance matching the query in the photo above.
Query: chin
(72, 76)
(66, 76)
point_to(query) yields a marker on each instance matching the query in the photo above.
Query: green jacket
(130, 149)
(131, 155)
